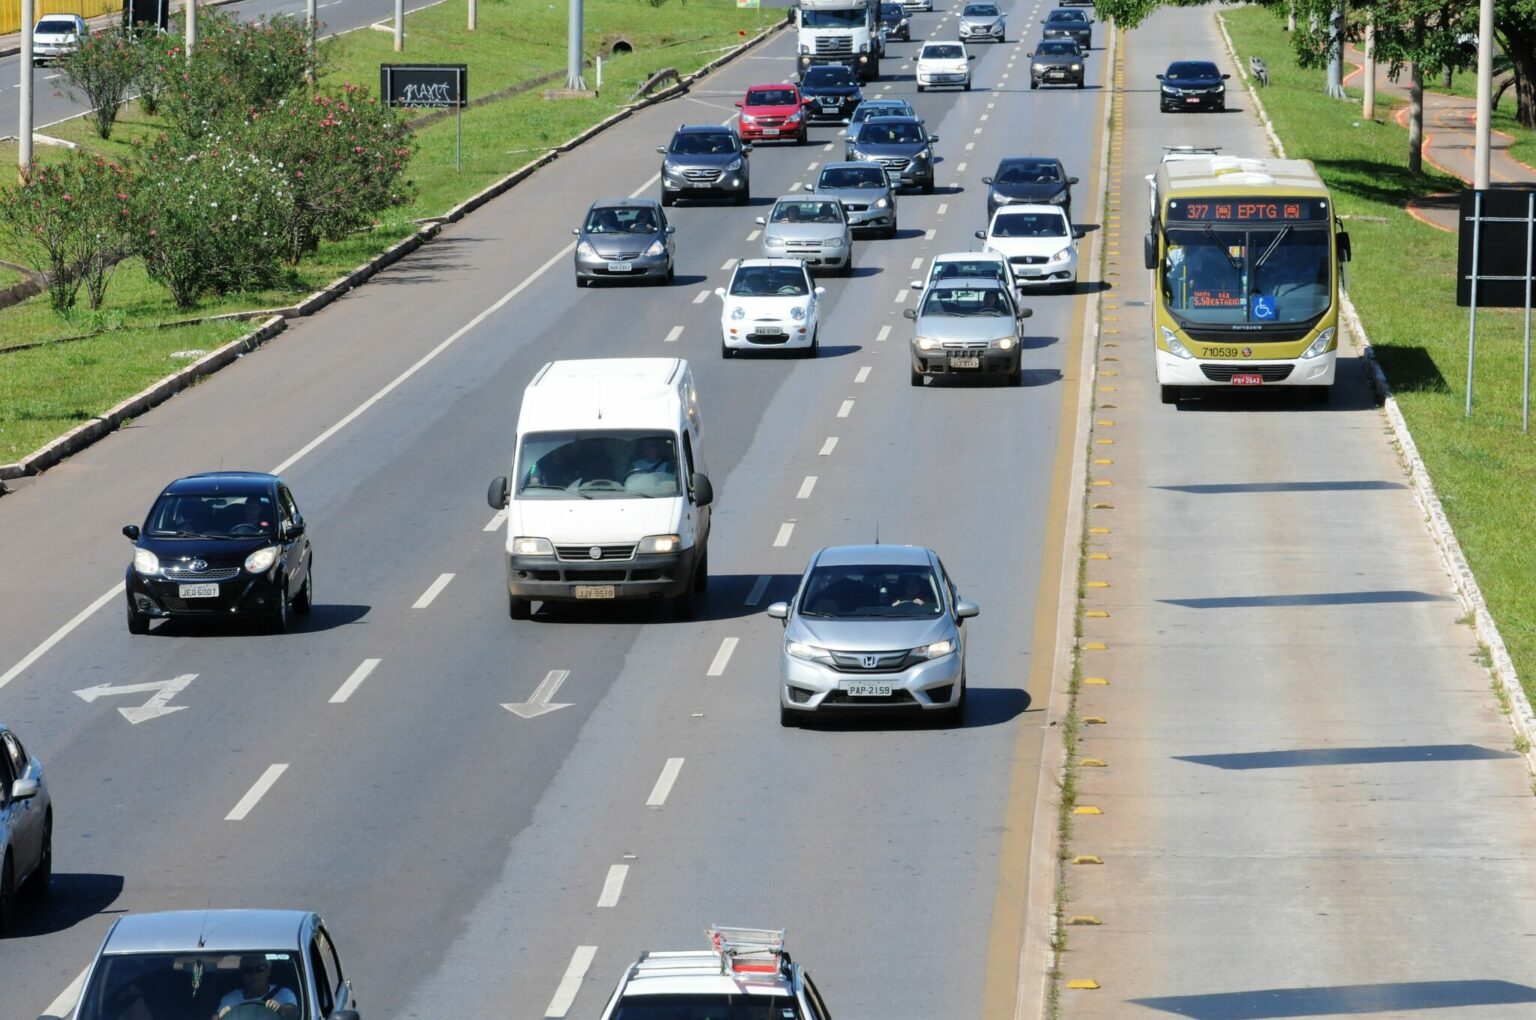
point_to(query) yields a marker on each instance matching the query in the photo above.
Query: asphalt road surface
(459, 851)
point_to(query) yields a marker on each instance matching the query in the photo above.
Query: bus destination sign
(1248, 210)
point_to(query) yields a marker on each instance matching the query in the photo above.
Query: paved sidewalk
(1449, 143)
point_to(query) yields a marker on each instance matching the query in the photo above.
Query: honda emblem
(869, 661)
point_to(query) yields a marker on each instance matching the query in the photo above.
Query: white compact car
(944, 64)
(969, 264)
(770, 304)
(1038, 241)
(55, 36)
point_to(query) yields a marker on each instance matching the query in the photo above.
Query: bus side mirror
(1149, 251)
(1345, 251)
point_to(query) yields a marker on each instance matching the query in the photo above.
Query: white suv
(944, 63)
(747, 975)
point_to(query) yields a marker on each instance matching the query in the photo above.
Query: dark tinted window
(1058, 48)
(15, 752)
(986, 269)
(772, 97)
(622, 220)
(1024, 224)
(597, 465)
(966, 301)
(942, 51)
(834, 75)
(1067, 16)
(901, 132)
(770, 281)
(892, 13)
(853, 177)
(884, 591)
(56, 25)
(1192, 69)
(695, 143)
(981, 10)
(183, 986)
(184, 515)
(1032, 172)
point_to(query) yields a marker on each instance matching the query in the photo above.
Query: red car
(772, 112)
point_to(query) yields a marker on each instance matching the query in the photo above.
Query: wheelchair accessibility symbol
(1262, 306)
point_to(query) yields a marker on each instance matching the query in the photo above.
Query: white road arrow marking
(539, 704)
(154, 708)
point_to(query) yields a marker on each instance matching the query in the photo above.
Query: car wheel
(803, 137)
(701, 572)
(928, 186)
(1170, 394)
(1079, 83)
(138, 623)
(922, 88)
(519, 609)
(1221, 107)
(282, 617)
(967, 85)
(666, 281)
(846, 269)
(743, 198)
(42, 875)
(917, 378)
(788, 718)
(685, 606)
(1016, 377)
(814, 350)
(7, 895)
(666, 199)
(1033, 84)
(954, 715)
(306, 599)
(581, 281)
(726, 350)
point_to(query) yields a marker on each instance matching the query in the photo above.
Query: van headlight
(525, 546)
(937, 650)
(651, 545)
(812, 653)
(260, 561)
(1175, 346)
(1319, 346)
(146, 562)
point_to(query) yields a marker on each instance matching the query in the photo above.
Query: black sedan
(1057, 62)
(1068, 23)
(894, 17)
(227, 543)
(1029, 180)
(833, 91)
(1193, 85)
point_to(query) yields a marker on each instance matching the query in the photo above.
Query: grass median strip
(1403, 281)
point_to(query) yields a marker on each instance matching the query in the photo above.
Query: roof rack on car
(749, 950)
(1192, 150)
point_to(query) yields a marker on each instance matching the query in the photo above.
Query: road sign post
(430, 86)
(1495, 264)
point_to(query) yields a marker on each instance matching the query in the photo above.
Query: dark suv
(228, 543)
(705, 160)
(833, 91)
(903, 146)
(1068, 23)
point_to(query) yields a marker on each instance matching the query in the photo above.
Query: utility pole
(1336, 51)
(573, 50)
(1481, 153)
(24, 63)
(399, 26)
(1368, 105)
(309, 40)
(191, 10)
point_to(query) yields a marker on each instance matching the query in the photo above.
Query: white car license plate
(198, 591)
(1192, 100)
(965, 362)
(770, 132)
(702, 184)
(867, 689)
(595, 591)
(769, 330)
(620, 267)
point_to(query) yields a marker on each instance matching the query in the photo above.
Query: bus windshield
(1267, 275)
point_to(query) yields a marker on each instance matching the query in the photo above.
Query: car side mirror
(966, 610)
(1159, 77)
(671, 228)
(1071, 181)
(1025, 313)
(720, 293)
(24, 789)
(778, 610)
(294, 530)
(820, 290)
(738, 104)
(498, 492)
(986, 180)
(909, 313)
(917, 284)
(1225, 77)
(662, 149)
(575, 231)
(981, 235)
(933, 139)
(1149, 251)
(703, 491)
(131, 532)
(760, 221)
(746, 146)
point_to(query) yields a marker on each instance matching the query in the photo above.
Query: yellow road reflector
(1103, 506)
(1095, 720)
(1109, 371)
(1094, 763)
(1109, 407)
(1097, 614)
(1111, 318)
(1088, 984)
(1084, 919)
(1104, 442)
(1098, 531)
(1102, 481)
(1111, 306)
(1106, 389)
(1096, 646)
(1111, 331)
(1104, 421)
(1087, 859)
(1098, 556)
(1103, 460)
(1096, 681)
(1110, 357)
(1098, 584)
(1086, 809)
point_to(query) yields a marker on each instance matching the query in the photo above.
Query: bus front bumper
(1174, 371)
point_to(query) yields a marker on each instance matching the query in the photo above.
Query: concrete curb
(1521, 716)
(1253, 95)
(79, 438)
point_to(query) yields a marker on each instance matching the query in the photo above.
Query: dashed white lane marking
(433, 591)
(969, 146)
(885, 331)
(961, 168)
(613, 886)
(782, 538)
(991, 105)
(758, 588)
(806, 487)
(722, 657)
(983, 118)
(703, 297)
(673, 334)
(68, 997)
(846, 409)
(943, 208)
(570, 984)
(929, 235)
(827, 147)
(728, 265)
(813, 166)
(255, 793)
(828, 447)
(901, 296)
(754, 235)
(1004, 77)
(497, 520)
(353, 682)
(794, 185)
(917, 263)
(977, 131)
(863, 375)
(664, 782)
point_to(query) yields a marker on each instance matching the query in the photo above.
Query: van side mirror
(1149, 251)
(131, 532)
(778, 610)
(965, 610)
(703, 491)
(497, 494)
(1345, 250)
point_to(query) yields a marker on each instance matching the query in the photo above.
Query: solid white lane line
(703, 297)
(885, 331)
(758, 588)
(673, 334)
(68, 997)
(960, 169)
(782, 538)
(806, 487)
(828, 446)
(917, 263)
(754, 235)
(613, 886)
(943, 208)
(929, 235)
(863, 374)
(722, 657)
(60, 634)
(353, 682)
(433, 591)
(901, 296)
(664, 782)
(497, 520)
(570, 984)
(255, 793)
(846, 409)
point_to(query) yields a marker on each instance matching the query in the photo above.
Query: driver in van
(256, 987)
(651, 458)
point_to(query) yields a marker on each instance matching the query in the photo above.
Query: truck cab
(840, 32)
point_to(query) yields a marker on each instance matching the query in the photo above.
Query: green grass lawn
(1403, 282)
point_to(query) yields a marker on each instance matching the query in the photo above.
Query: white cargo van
(609, 493)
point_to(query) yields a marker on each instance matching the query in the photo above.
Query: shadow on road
(72, 898)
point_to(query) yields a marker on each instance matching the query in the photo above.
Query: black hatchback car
(1193, 85)
(833, 90)
(1068, 23)
(894, 17)
(1030, 180)
(227, 543)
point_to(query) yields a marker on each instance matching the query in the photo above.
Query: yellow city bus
(1246, 256)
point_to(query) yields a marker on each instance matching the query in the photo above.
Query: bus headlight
(1175, 346)
(1321, 345)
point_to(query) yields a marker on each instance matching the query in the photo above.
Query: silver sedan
(26, 827)
(967, 327)
(812, 229)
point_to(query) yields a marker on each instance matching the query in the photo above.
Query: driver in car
(256, 988)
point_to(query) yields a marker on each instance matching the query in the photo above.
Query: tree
(70, 220)
(103, 67)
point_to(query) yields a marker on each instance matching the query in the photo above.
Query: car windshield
(193, 986)
(1273, 274)
(807, 211)
(1028, 173)
(1186, 69)
(904, 132)
(189, 515)
(55, 25)
(981, 10)
(873, 591)
(622, 220)
(965, 301)
(986, 269)
(864, 111)
(770, 281)
(707, 1006)
(1027, 224)
(823, 77)
(698, 143)
(831, 19)
(1067, 16)
(628, 464)
(892, 12)
(772, 97)
(1057, 48)
(944, 52)
(853, 177)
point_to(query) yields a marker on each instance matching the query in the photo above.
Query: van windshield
(628, 464)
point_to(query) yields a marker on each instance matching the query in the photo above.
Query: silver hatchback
(26, 827)
(812, 229)
(873, 628)
(624, 239)
(869, 199)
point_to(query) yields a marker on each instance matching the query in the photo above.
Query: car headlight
(146, 562)
(1037, 68)
(1058, 198)
(797, 313)
(863, 47)
(260, 561)
(1170, 89)
(656, 248)
(747, 118)
(927, 343)
(524, 546)
(585, 250)
(833, 242)
(858, 156)
(1319, 346)
(1175, 346)
(1077, 67)
(792, 117)
(733, 165)
(801, 650)
(1219, 88)
(1064, 255)
(653, 544)
(937, 650)
(1004, 343)
(738, 313)
(882, 203)
(773, 241)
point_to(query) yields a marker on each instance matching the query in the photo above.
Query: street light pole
(472, 15)
(24, 63)
(1481, 153)
(309, 40)
(399, 26)
(191, 10)
(573, 78)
